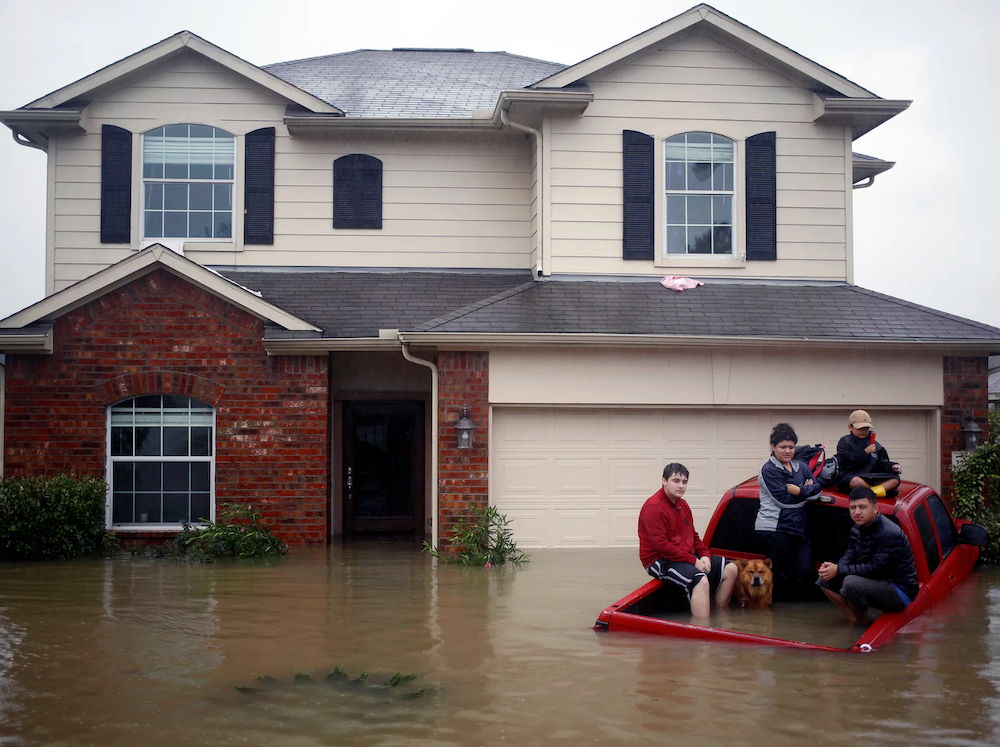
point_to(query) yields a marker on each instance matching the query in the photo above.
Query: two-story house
(312, 285)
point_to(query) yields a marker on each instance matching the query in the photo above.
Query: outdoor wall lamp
(971, 431)
(464, 429)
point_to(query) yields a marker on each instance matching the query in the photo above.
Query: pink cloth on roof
(676, 283)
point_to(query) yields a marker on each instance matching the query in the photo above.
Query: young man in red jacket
(671, 550)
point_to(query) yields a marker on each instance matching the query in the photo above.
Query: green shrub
(978, 469)
(482, 539)
(51, 518)
(238, 533)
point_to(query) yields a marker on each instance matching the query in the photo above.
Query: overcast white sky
(923, 232)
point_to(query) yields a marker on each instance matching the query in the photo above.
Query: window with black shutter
(357, 192)
(761, 197)
(116, 185)
(258, 194)
(637, 217)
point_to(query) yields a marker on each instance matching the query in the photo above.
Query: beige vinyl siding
(449, 200)
(696, 83)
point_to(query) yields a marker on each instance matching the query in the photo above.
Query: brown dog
(754, 584)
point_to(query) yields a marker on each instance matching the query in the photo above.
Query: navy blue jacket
(880, 551)
(780, 511)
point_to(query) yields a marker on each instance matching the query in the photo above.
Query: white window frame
(179, 241)
(737, 259)
(112, 460)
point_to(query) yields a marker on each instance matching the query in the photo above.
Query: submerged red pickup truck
(944, 550)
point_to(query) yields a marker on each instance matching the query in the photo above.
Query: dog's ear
(767, 562)
(740, 563)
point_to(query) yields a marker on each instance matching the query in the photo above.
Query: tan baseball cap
(860, 419)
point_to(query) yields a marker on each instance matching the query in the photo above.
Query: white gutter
(405, 347)
(541, 186)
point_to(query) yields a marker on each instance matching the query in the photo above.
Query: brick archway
(159, 382)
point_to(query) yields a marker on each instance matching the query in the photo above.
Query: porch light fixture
(465, 431)
(971, 431)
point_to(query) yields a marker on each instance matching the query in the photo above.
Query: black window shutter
(637, 179)
(116, 185)
(762, 197)
(258, 193)
(357, 192)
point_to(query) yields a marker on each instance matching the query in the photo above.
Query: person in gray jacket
(786, 486)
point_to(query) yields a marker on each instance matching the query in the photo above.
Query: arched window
(187, 177)
(161, 460)
(700, 180)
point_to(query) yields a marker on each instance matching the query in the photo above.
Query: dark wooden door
(383, 467)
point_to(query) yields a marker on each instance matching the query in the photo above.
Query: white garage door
(577, 477)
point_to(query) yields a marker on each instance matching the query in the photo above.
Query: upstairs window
(160, 460)
(187, 176)
(700, 175)
(357, 192)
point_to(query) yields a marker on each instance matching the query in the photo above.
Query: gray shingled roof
(358, 304)
(412, 83)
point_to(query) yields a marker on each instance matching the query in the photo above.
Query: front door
(383, 467)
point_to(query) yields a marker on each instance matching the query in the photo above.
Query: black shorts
(685, 575)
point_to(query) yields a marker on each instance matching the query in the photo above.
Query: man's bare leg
(851, 611)
(701, 604)
(725, 590)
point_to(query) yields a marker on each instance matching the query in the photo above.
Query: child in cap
(863, 461)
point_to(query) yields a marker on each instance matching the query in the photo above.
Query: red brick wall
(966, 388)
(463, 474)
(160, 334)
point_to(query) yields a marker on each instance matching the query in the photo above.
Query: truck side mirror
(973, 534)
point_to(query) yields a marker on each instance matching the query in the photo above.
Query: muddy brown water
(127, 652)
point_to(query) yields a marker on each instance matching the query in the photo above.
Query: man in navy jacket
(877, 570)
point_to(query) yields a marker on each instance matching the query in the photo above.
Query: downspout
(541, 183)
(405, 347)
(864, 184)
(26, 142)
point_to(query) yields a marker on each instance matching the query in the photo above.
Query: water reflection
(123, 652)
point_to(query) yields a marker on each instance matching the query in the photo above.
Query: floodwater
(127, 652)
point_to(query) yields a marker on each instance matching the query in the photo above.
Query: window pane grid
(160, 460)
(188, 181)
(699, 179)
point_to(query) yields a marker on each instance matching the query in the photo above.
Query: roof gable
(732, 32)
(142, 263)
(135, 64)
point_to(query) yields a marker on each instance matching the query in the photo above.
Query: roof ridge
(936, 312)
(475, 306)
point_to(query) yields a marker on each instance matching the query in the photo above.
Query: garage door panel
(580, 476)
(633, 476)
(575, 427)
(634, 427)
(622, 527)
(526, 430)
(520, 476)
(686, 429)
(527, 526)
(579, 528)
(577, 478)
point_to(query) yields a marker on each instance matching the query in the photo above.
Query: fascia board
(170, 45)
(139, 264)
(862, 169)
(544, 99)
(40, 344)
(323, 345)
(66, 121)
(306, 125)
(864, 115)
(487, 341)
(704, 13)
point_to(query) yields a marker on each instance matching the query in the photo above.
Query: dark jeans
(792, 563)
